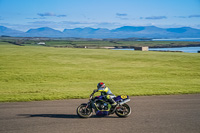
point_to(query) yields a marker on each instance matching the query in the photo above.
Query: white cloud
(194, 16)
(46, 14)
(156, 17)
(121, 14)
(49, 14)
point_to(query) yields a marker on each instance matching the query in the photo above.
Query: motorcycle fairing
(99, 97)
(102, 113)
(122, 97)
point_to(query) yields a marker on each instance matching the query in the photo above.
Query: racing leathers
(106, 92)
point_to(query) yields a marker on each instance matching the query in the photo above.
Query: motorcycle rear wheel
(84, 112)
(123, 110)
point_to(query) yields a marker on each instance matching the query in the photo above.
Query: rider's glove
(95, 90)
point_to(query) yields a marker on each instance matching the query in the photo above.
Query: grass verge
(30, 73)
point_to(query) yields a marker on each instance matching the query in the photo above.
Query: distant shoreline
(178, 49)
(179, 39)
(175, 46)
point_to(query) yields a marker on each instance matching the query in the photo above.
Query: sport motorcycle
(101, 106)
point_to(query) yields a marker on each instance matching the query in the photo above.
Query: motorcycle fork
(114, 109)
(87, 106)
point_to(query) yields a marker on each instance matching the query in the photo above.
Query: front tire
(123, 110)
(84, 112)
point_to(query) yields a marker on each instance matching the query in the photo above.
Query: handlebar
(91, 96)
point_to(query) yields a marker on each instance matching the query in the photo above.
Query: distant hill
(4, 31)
(122, 32)
(128, 29)
(43, 32)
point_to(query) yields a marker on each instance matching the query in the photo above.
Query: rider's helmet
(100, 85)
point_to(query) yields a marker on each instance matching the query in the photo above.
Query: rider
(105, 91)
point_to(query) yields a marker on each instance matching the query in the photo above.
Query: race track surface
(150, 114)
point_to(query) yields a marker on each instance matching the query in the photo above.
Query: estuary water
(182, 49)
(179, 39)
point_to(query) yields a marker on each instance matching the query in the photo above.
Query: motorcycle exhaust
(125, 101)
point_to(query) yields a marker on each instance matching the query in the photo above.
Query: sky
(68, 14)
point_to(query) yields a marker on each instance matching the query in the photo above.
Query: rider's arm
(96, 90)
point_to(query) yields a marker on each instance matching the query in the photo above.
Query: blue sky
(67, 14)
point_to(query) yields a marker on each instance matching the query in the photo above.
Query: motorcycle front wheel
(84, 112)
(123, 110)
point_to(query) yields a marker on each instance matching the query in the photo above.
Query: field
(29, 73)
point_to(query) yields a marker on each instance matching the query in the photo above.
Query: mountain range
(122, 32)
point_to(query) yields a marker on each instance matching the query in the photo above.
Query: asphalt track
(150, 114)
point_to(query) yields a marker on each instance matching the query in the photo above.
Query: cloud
(194, 16)
(61, 15)
(121, 14)
(180, 16)
(36, 18)
(190, 16)
(46, 14)
(49, 14)
(156, 17)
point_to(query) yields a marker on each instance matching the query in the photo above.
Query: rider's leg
(111, 100)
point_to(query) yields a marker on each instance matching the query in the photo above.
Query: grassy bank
(30, 73)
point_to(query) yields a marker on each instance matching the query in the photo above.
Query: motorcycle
(101, 106)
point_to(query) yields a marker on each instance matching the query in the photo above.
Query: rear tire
(84, 112)
(123, 110)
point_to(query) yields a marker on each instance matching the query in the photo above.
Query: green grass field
(29, 73)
